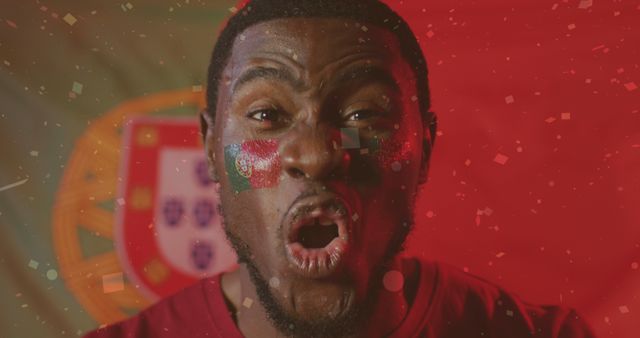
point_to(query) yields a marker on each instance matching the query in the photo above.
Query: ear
(209, 141)
(429, 129)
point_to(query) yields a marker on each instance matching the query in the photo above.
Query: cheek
(253, 164)
(396, 156)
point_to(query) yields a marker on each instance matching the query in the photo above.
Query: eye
(363, 114)
(265, 115)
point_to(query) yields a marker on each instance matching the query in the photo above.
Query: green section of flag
(371, 146)
(96, 59)
(239, 180)
(350, 138)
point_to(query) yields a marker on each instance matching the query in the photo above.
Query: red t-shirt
(448, 303)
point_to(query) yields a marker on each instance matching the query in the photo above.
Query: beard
(349, 323)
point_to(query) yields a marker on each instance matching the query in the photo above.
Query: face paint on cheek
(252, 164)
(388, 152)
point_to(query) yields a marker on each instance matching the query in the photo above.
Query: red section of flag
(265, 162)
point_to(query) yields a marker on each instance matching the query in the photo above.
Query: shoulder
(466, 305)
(184, 313)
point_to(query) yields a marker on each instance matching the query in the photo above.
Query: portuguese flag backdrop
(534, 182)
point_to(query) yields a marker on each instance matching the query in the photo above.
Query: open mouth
(318, 233)
(318, 237)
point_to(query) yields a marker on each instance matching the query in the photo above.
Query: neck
(252, 321)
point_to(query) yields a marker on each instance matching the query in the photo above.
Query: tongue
(317, 236)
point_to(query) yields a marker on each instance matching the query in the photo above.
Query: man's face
(318, 146)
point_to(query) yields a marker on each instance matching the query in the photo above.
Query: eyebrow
(255, 73)
(368, 73)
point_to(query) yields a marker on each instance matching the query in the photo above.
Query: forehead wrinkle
(253, 73)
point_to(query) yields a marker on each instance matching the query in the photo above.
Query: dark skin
(326, 74)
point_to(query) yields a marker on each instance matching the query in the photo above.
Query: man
(318, 135)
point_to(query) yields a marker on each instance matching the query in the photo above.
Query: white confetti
(52, 274)
(33, 264)
(77, 87)
(13, 185)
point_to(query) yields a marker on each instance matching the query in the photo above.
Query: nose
(314, 153)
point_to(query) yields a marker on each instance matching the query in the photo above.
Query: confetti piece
(33, 264)
(487, 211)
(467, 162)
(33, 153)
(500, 254)
(120, 201)
(196, 89)
(11, 24)
(77, 87)
(69, 19)
(501, 158)
(112, 282)
(126, 7)
(571, 26)
(52, 274)
(623, 309)
(565, 116)
(634, 266)
(274, 282)
(396, 166)
(509, 99)
(13, 185)
(550, 119)
(631, 86)
(350, 138)
(355, 217)
(584, 4)
(393, 281)
(364, 28)
(430, 34)
(509, 313)
(247, 302)
(430, 214)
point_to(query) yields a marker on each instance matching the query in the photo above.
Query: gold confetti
(70, 19)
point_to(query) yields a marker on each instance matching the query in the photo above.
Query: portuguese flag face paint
(253, 164)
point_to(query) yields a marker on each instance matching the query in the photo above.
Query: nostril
(295, 172)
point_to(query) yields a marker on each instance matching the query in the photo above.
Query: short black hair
(371, 12)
